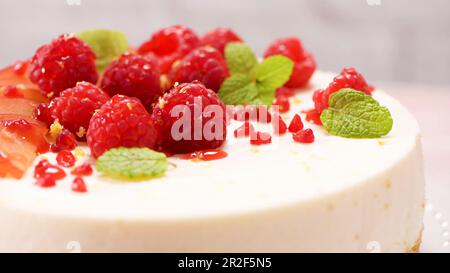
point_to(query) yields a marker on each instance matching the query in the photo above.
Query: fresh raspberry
(279, 126)
(304, 136)
(296, 124)
(260, 138)
(304, 63)
(61, 64)
(120, 122)
(78, 185)
(65, 141)
(65, 159)
(204, 64)
(348, 78)
(199, 105)
(75, 106)
(245, 129)
(84, 169)
(219, 38)
(170, 44)
(133, 76)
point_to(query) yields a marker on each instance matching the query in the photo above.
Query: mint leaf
(353, 114)
(274, 72)
(106, 44)
(238, 89)
(240, 58)
(265, 96)
(132, 163)
(250, 82)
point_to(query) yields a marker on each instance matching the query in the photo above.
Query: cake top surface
(249, 179)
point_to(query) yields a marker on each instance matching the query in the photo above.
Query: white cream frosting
(335, 194)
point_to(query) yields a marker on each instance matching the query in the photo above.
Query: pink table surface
(431, 107)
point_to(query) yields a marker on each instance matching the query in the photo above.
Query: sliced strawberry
(16, 154)
(17, 106)
(21, 138)
(14, 76)
(28, 129)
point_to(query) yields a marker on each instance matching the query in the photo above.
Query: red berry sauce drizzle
(205, 155)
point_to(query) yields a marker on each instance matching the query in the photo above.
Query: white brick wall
(400, 40)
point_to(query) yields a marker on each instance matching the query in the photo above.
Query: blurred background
(402, 46)
(388, 40)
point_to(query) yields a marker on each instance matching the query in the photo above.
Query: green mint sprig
(252, 82)
(353, 114)
(106, 44)
(132, 163)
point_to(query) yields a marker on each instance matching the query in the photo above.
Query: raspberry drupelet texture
(61, 64)
(205, 64)
(75, 106)
(219, 38)
(304, 63)
(348, 78)
(133, 76)
(120, 122)
(200, 109)
(169, 45)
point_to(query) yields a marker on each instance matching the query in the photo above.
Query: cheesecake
(334, 195)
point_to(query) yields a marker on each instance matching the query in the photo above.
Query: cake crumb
(330, 207)
(388, 184)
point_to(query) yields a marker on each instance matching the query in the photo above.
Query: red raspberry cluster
(136, 102)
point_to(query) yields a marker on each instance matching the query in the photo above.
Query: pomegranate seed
(304, 136)
(45, 181)
(279, 126)
(44, 168)
(20, 67)
(78, 185)
(285, 91)
(296, 124)
(313, 116)
(260, 138)
(83, 170)
(65, 159)
(283, 104)
(12, 92)
(65, 141)
(246, 130)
